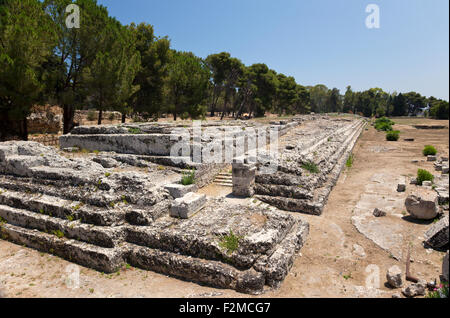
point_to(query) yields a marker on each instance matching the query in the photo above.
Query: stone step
(107, 260)
(61, 208)
(212, 273)
(96, 235)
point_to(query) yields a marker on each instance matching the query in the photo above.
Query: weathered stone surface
(445, 267)
(437, 235)
(103, 218)
(187, 205)
(401, 187)
(423, 205)
(427, 183)
(431, 158)
(177, 190)
(378, 213)
(413, 290)
(394, 277)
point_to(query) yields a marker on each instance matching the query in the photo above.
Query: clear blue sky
(316, 41)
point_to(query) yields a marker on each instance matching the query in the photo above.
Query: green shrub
(384, 124)
(188, 178)
(429, 151)
(91, 115)
(423, 175)
(310, 166)
(393, 135)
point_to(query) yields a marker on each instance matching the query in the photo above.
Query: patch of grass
(230, 242)
(58, 233)
(107, 174)
(69, 217)
(188, 178)
(311, 167)
(347, 276)
(134, 130)
(161, 168)
(429, 151)
(349, 162)
(424, 175)
(393, 135)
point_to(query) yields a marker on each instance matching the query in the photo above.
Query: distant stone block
(431, 158)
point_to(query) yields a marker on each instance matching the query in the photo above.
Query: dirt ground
(336, 261)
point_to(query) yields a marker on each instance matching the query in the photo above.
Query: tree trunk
(124, 118)
(174, 116)
(24, 129)
(68, 115)
(100, 114)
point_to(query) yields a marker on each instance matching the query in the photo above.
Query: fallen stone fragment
(423, 205)
(394, 277)
(409, 139)
(106, 162)
(378, 213)
(445, 169)
(413, 181)
(396, 295)
(413, 290)
(177, 190)
(359, 250)
(401, 187)
(431, 158)
(437, 234)
(427, 183)
(186, 206)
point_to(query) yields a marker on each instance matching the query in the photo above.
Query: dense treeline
(108, 66)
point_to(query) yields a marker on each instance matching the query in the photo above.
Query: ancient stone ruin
(112, 196)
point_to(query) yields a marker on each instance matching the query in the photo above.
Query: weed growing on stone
(58, 233)
(188, 178)
(230, 242)
(311, 167)
(135, 131)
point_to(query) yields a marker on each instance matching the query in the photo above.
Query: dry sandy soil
(328, 266)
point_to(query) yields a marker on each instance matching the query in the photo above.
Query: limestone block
(244, 179)
(394, 277)
(187, 205)
(423, 204)
(177, 190)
